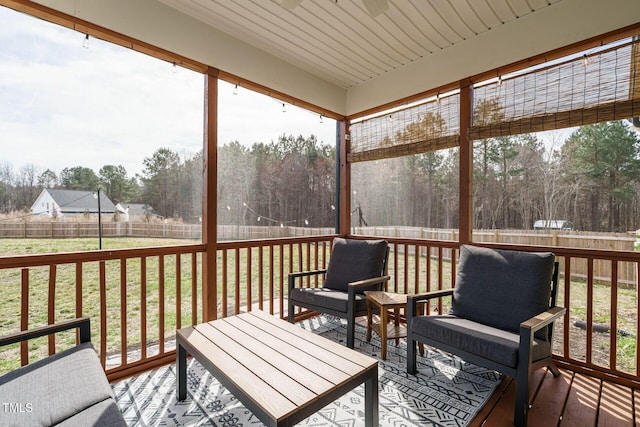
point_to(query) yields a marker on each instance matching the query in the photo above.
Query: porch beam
(210, 196)
(343, 209)
(466, 163)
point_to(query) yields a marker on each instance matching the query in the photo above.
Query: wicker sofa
(69, 388)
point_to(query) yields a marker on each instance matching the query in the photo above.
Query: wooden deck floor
(572, 399)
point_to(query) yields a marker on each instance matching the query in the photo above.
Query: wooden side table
(385, 301)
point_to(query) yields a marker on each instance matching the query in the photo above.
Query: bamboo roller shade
(584, 90)
(581, 90)
(430, 126)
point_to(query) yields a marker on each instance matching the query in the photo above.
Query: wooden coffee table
(279, 371)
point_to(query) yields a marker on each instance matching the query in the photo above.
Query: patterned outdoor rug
(446, 391)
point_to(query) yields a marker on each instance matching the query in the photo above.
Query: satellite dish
(374, 7)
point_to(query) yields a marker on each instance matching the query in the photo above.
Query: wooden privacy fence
(66, 230)
(627, 272)
(567, 239)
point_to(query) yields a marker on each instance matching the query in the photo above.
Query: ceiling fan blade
(375, 7)
(290, 4)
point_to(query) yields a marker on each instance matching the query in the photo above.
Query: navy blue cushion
(481, 340)
(501, 288)
(354, 260)
(330, 299)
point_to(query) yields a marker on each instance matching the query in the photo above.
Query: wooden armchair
(355, 266)
(502, 314)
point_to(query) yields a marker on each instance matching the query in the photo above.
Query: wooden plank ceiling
(340, 42)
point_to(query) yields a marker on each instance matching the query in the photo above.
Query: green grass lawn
(65, 293)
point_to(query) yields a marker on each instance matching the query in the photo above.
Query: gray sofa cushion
(481, 340)
(102, 414)
(58, 388)
(327, 298)
(491, 280)
(353, 260)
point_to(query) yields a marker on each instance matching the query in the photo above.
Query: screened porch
(138, 297)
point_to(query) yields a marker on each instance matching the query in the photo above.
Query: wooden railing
(600, 332)
(253, 274)
(137, 298)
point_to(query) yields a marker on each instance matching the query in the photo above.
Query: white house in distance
(58, 203)
(134, 210)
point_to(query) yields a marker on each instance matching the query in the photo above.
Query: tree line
(591, 179)
(289, 182)
(170, 183)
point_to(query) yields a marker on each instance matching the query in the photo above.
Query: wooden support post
(344, 173)
(466, 163)
(210, 197)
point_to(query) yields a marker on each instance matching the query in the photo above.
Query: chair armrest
(352, 287)
(307, 273)
(293, 276)
(543, 319)
(430, 295)
(413, 300)
(365, 282)
(528, 329)
(83, 323)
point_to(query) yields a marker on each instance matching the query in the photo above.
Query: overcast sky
(62, 105)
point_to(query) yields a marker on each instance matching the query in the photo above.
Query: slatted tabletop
(279, 371)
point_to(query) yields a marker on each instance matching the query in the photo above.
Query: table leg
(369, 319)
(422, 309)
(383, 333)
(371, 400)
(396, 322)
(181, 372)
